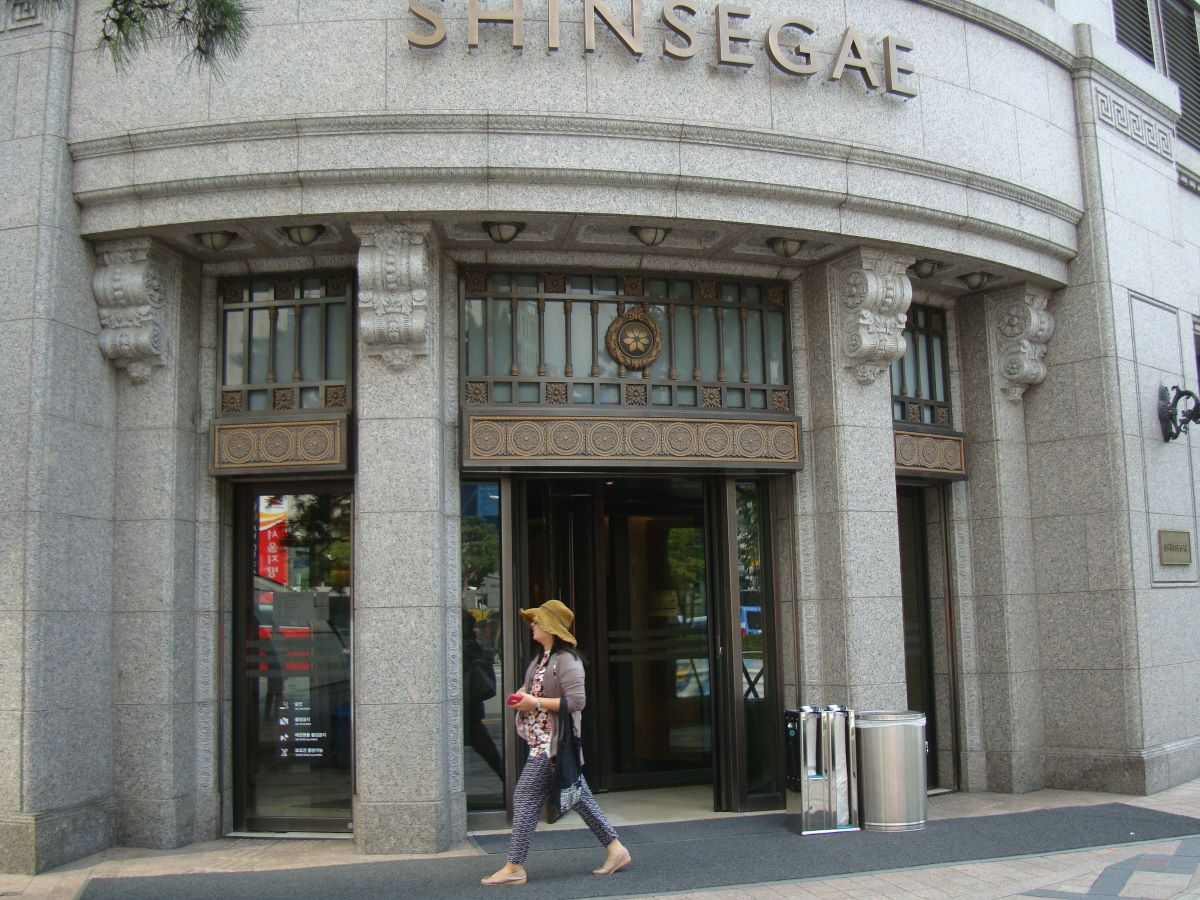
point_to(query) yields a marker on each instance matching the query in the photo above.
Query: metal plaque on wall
(1175, 548)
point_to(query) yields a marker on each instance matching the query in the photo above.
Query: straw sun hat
(554, 618)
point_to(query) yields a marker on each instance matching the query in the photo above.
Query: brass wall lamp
(503, 232)
(1173, 421)
(215, 240)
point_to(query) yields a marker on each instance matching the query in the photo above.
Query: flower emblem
(636, 339)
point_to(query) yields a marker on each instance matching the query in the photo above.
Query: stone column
(406, 688)
(56, 473)
(855, 313)
(149, 316)
(1005, 333)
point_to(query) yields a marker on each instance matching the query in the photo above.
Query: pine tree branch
(207, 32)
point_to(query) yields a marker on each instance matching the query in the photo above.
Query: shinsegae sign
(788, 39)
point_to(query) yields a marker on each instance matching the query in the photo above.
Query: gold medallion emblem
(633, 339)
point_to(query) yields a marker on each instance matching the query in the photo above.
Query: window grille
(920, 379)
(544, 338)
(1178, 49)
(285, 344)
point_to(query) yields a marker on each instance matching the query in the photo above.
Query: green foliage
(207, 32)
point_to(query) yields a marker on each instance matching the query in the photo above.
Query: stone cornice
(1023, 34)
(580, 177)
(519, 123)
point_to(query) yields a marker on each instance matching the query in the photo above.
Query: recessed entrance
(630, 556)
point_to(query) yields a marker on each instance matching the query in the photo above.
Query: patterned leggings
(528, 798)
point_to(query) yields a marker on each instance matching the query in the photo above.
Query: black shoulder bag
(566, 782)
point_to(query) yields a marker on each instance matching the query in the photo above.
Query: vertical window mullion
(672, 372)
(595, 339)
(742, 314)
(541, 314)
(513, 367)
(569, 363)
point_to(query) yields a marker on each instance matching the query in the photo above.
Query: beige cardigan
(564, 678)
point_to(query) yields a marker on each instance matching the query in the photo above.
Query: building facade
(809, 358)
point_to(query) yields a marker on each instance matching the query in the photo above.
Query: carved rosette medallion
(1025, 328)
(394, 276)
(931, 454)
(633, 339)
(531, 440)
(264, 446)
(874, 293)
(132, 286)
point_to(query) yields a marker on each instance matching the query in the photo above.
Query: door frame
(242, 495)
(729, 738)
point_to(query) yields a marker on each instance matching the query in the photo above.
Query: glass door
(749, 686)
(293, 759)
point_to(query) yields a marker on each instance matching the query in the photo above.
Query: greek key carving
(394, 270)
(874, 292)
(1025, 327)
(1120, 115)
(132, 285)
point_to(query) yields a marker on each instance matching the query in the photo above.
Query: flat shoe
(620, 862)
(504, 879)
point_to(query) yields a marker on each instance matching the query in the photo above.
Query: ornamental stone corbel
(394, 270)
(1025, 327)
(875, 293)
(132, 284)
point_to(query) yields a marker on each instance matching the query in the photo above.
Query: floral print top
(534, 726)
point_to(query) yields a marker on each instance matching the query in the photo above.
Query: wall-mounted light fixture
(1173, 422)
(975, 280)
(303, 235)
(503, 232)
(925, 268)
(215, 240)
(650, 235)
(785, 247)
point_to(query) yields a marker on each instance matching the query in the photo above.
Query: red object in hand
(514, 699)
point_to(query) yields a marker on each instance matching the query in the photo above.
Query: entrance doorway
(670, 582)
(928, 660)
(291, 650)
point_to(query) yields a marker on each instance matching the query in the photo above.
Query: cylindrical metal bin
(891, 770)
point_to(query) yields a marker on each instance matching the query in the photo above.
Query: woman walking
(556, 672)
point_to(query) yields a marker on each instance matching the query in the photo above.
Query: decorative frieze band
(1136, 124)
(132, 285)
(875, 294)
(930, 454)
(394, 272)
(264, 447)
(1025, 327)
(511, 441)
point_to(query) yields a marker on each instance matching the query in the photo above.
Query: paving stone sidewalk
(1156, 871)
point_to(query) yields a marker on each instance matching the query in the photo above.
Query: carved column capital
(132, 284)
(1024, 328)
(874, 293)
(394, 272)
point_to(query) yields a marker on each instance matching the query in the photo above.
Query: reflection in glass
(310, 344)
(608, 365)
(501, 328)
(285, 344)
(527, 337)
(709, 347)
(775, 343)
(260, 337)
(235, 347)
(296, 653)
(760, 771)
(556, 338)
(482, 635)
(335, 342)
(476, 348)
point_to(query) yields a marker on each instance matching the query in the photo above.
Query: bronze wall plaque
(1175, 548)
(923, 453)
(271, 447)
(509, 441)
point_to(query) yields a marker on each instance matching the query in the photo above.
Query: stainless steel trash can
(820, 756)
(891, 769)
